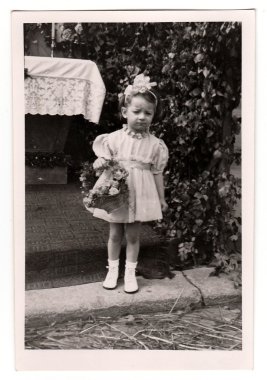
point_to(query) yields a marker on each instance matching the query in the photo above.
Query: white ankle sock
(113, 263)
(131, 265)
(130, 282)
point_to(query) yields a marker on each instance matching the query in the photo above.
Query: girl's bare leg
(132, 233)
(114, 247)
(116, 231)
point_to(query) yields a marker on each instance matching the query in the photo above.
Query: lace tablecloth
(62, 86)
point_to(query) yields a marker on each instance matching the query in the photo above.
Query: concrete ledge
(46, 306)
(215, 290)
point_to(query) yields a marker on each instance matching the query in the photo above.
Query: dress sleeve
(161, 158)
(101, 147)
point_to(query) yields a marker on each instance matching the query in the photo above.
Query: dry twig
(91, 327)
(128, 336)
(177, 299)
(157, 338)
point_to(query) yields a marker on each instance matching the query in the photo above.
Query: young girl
(144, 156)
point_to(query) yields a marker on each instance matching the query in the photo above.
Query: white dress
(143, 155)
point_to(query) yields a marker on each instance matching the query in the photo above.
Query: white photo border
(140, 360)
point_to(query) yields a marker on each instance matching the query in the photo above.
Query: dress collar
(136, 135)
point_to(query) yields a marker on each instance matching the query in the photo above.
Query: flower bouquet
(113, 192)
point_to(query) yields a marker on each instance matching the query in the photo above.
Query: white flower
(118, 175)
(115, 184)
(171, 55)
(102, 190)
(113, 191)
(141, 84)
(141, 80)
(128, 90)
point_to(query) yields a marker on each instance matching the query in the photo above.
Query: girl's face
(139, 113)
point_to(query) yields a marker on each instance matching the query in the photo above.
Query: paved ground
(65, 244)
(56, 220)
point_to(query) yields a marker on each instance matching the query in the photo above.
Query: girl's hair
(150, 96)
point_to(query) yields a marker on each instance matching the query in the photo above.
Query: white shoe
(112, 275)
(130, 282)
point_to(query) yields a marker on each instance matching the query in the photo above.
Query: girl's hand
(164, 205)
(99, 162)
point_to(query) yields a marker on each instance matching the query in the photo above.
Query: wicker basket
(110, 203)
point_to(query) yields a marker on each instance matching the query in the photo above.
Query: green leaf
(195, 92)
(165, 69)
(205, 72)
(189, 103)
(192, 73)
(199, 58)
(210, 133)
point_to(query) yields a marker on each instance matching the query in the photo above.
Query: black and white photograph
(130, 233)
